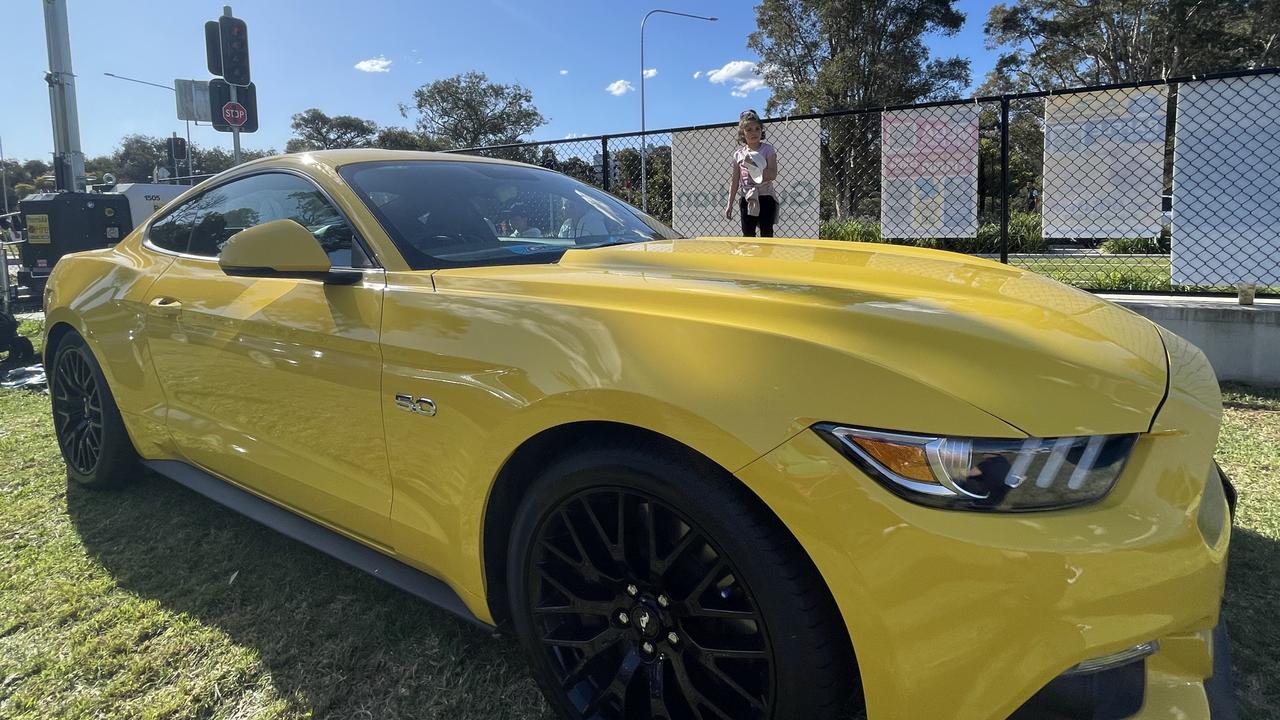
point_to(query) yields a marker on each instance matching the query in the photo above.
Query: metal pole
(644, 168)
(61, 79)
(235, 129)
(191, 166)
(644, 144)
(4, 179)
(604, 163)
(235, 133)
(1004, 179)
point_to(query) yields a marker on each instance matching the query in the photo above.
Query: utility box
(61, 223)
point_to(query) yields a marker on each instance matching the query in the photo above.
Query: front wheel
(645, 586)
(94, 443)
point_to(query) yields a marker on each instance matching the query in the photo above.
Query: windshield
(443, 213)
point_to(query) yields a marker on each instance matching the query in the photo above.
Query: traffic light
(213, 47)
(177, 149)
(234, 37)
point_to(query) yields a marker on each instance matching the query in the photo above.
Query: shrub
(1125, 279)
(850, 230)
(1134, 246)
(1024, 233)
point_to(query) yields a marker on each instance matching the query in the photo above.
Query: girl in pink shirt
(755, 165)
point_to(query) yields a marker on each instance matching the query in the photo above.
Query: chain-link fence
(1158, 186)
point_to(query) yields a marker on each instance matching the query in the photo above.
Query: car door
(273, 383)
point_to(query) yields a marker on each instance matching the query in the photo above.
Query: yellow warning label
(38, 229)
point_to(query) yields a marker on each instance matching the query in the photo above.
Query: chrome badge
(422, 406)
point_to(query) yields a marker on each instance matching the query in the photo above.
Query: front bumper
(967, 616)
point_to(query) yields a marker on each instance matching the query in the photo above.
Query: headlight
(978, 474)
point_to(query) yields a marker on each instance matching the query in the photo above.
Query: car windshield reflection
(443, 213)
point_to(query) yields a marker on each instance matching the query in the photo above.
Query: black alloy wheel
(646, 582)
(643, 616)
(91, 433)
(77, 411)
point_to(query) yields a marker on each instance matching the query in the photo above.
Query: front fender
(101, 295)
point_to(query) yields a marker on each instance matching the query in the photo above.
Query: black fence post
(1004, 179)
(604, 163)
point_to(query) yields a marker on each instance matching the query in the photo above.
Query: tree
(213, 160)
(579, 169)
(395, 138)
(466, 111)
(137, 156)
(548, 158)
(314, 130)
(1062, 43)
(823, 55)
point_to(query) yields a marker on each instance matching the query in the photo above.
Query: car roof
(338, 158)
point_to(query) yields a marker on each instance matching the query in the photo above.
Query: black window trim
(355, 234)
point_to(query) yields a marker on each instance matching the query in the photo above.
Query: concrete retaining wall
(1242, 342)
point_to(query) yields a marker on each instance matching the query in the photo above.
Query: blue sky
(304, 54)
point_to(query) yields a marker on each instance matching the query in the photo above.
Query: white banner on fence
(1226, 208)
(700, 164)
(1104, 163)
(929, 172)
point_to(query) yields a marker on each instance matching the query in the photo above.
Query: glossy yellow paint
(733, 348)
(281, 245)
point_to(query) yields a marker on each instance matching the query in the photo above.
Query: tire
(92, 437)
(643, 584)
(21, 354)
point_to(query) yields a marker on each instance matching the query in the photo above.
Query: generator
(60, 223)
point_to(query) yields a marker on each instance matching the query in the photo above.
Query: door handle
(166, 305)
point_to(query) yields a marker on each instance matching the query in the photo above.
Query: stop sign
(235, 114)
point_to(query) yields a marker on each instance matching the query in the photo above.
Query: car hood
(1044, 357)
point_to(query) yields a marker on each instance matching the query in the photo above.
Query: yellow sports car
(698, 478)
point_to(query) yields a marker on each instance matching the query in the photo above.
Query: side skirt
(387, 569)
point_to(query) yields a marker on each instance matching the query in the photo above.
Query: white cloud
(697, 75)
(571, 136)
(564, 72)
(619, 87)
(374, 65)
(740, 74)
(650, 73)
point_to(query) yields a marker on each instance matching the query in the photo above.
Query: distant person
(518, 216)
(1032, 197)
(581, 220)
(755, 166)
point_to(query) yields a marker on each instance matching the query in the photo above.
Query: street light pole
(4, 182)
(644, 150)
(190, 165)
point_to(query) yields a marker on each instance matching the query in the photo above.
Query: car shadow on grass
(1252, 609)
(333, 641)
(338, 643)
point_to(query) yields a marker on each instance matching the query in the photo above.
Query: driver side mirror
(282, 249)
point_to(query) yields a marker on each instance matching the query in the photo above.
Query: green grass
(1249, 451)
(153, 602)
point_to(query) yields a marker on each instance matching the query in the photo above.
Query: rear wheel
(644, 586)
(94, 443)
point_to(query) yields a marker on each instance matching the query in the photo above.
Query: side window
(173, 230)
(228, 209)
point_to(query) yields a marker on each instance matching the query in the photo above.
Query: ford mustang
(697, 478)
